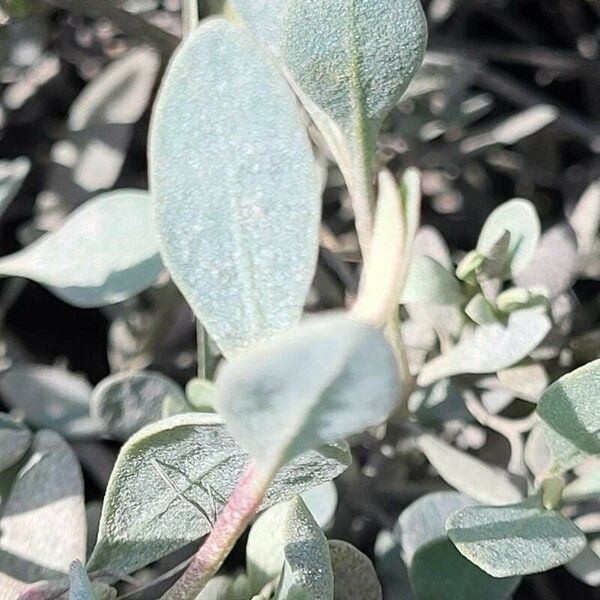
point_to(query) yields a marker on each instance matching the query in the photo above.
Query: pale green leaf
(81, 588)
(429, 281)
(490, 348)
(521, 220)
(527, 380)
(15, 440)
(468, 474)
(328, 379)
(51, 397)
(322, 502)
(570, 412)
(216, 589)
(172, 479)
(585, 487)
(353, 572)
(126, 402)
(515, 540)
(43, 520)
(481, 311)
(105, 252)
(200, 394)
(235, 186)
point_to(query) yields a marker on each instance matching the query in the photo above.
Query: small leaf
(322, 502)
(586, 487)
(468, 474)
(481, 311)
(491, 348)
(105, 252)
(15, 440)
(81, 588)
(348, 381)
(172, 479)
(43, 521)
(570, 414)
(527, 380)
(51, 397)
(126, 402)
(515, 540)
(200, 394)
(239, 221)
(521, 220)
(353, 573)
(429, 281)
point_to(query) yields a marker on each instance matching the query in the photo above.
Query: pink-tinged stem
(44, 591)
(231, 523)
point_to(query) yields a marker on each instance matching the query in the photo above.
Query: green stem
(189, 16)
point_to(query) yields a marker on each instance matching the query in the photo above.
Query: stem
(189, 16)
(363, 202)
(232, 522)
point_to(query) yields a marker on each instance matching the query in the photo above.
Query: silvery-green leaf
(287, 540)
(586, 566)
(429, 242)
(216, 589)
(570, 413)
(51, 397)
(238, 220)
(353, 573)
(12, 175)
(519, 298)
(537, 454)
(351, 62)
(105, 252)
(15, 440)
(527, 380)
(172, 479)
(490, 348)
(521, 220)
(322, 502)
(391, 568)
(263, 17)
(585, 487)
(81, 588)
(556, 263)
(306, 571)
(515, 540)
(429, 281)
(200, 394)
(126, 402)
(481, 311)
(330, 378)
(43, 520)
(468, 474)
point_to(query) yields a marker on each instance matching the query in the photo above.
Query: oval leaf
(239, 219)
(429, 281)
(353, 573)
(105, 252)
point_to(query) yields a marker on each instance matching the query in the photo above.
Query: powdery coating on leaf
(354, 58)
(354, 575)
(328, 379)
(429, 281)
(172, 479)
(43, 521)
(515, 540)
(491, 348)
(468, 474)
(235, 187)
(570, 412)
(82, 589)
(105, 252)
(15, 440)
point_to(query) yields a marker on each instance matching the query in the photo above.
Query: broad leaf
(429, 281)
(570, 411)
(521, 220)
(468, 474)
(126, 402)
(491, 347)
(351, 62)
(51, 397)
(172, 479)
(105, 252)
(353, 573)
(322, 502)
(515, 540)
(43, 521)
(15, 440)
(239, 220)
(330, 378)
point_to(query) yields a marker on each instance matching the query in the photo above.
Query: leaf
(586, 487)
(527, 380)
(264, 18)
(537, 454)
(287, 540)
(491, 348)
(391, 568)
(521, 220)
(481, 311)
(50, 397)
(351, 62)
(586, 566)
(126, 402)
(353, 572)
(429, 281)
(15, 440)
(438, 403)
(571, 416)
(105, 252)
(585, 219)
(322, 502)
(515, 540)
(200, 394)
(43, 521)
(12, 175)
(350, 382)
(172, 479)
(468, 474)
(216, 589)
(81, 588)
(239, 221)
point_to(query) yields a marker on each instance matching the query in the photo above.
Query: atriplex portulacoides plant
(236, 187)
